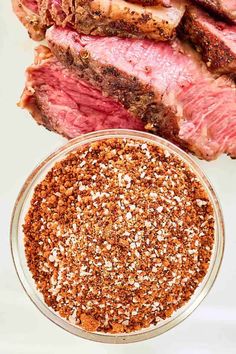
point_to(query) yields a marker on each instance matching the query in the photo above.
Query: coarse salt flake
(132, 245)
(153, 194)
(128, 216)
(159, 209)
(147, 223)
(108, 264)
(134, 313)
(200, 202)
(51, 258)
(142, 175)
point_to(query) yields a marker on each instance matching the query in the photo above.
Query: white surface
(210, 329)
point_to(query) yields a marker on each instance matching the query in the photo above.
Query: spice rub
(119, 235)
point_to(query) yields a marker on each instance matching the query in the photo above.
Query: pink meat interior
(72, 106)
(31, 4)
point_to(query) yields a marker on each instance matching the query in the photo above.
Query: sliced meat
(223, 8)
(27, 12)
(164, 84)
(103, 17)
(214, 39)
(62, 102)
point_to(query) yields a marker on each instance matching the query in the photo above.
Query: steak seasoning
(119, 235)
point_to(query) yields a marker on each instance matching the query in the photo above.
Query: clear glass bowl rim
(62, 152)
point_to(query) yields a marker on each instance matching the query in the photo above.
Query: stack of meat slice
(165, 85)
(86, 82)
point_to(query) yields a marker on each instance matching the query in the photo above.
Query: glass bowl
(17, 245)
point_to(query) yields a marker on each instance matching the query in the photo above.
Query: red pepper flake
(119, 235)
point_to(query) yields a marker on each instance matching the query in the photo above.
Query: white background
(210, 329)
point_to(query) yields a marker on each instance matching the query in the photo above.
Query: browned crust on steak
(30, 102)
(216, 7)
(114, 18)
(165, 3)
(103, 18)
(218, 57)
(135, 96)
(30, 20)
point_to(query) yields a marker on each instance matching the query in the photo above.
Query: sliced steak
(102, 17)
(27, 12)
(62, 102)
(215, 40)
(164, 84)
(224, 8)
